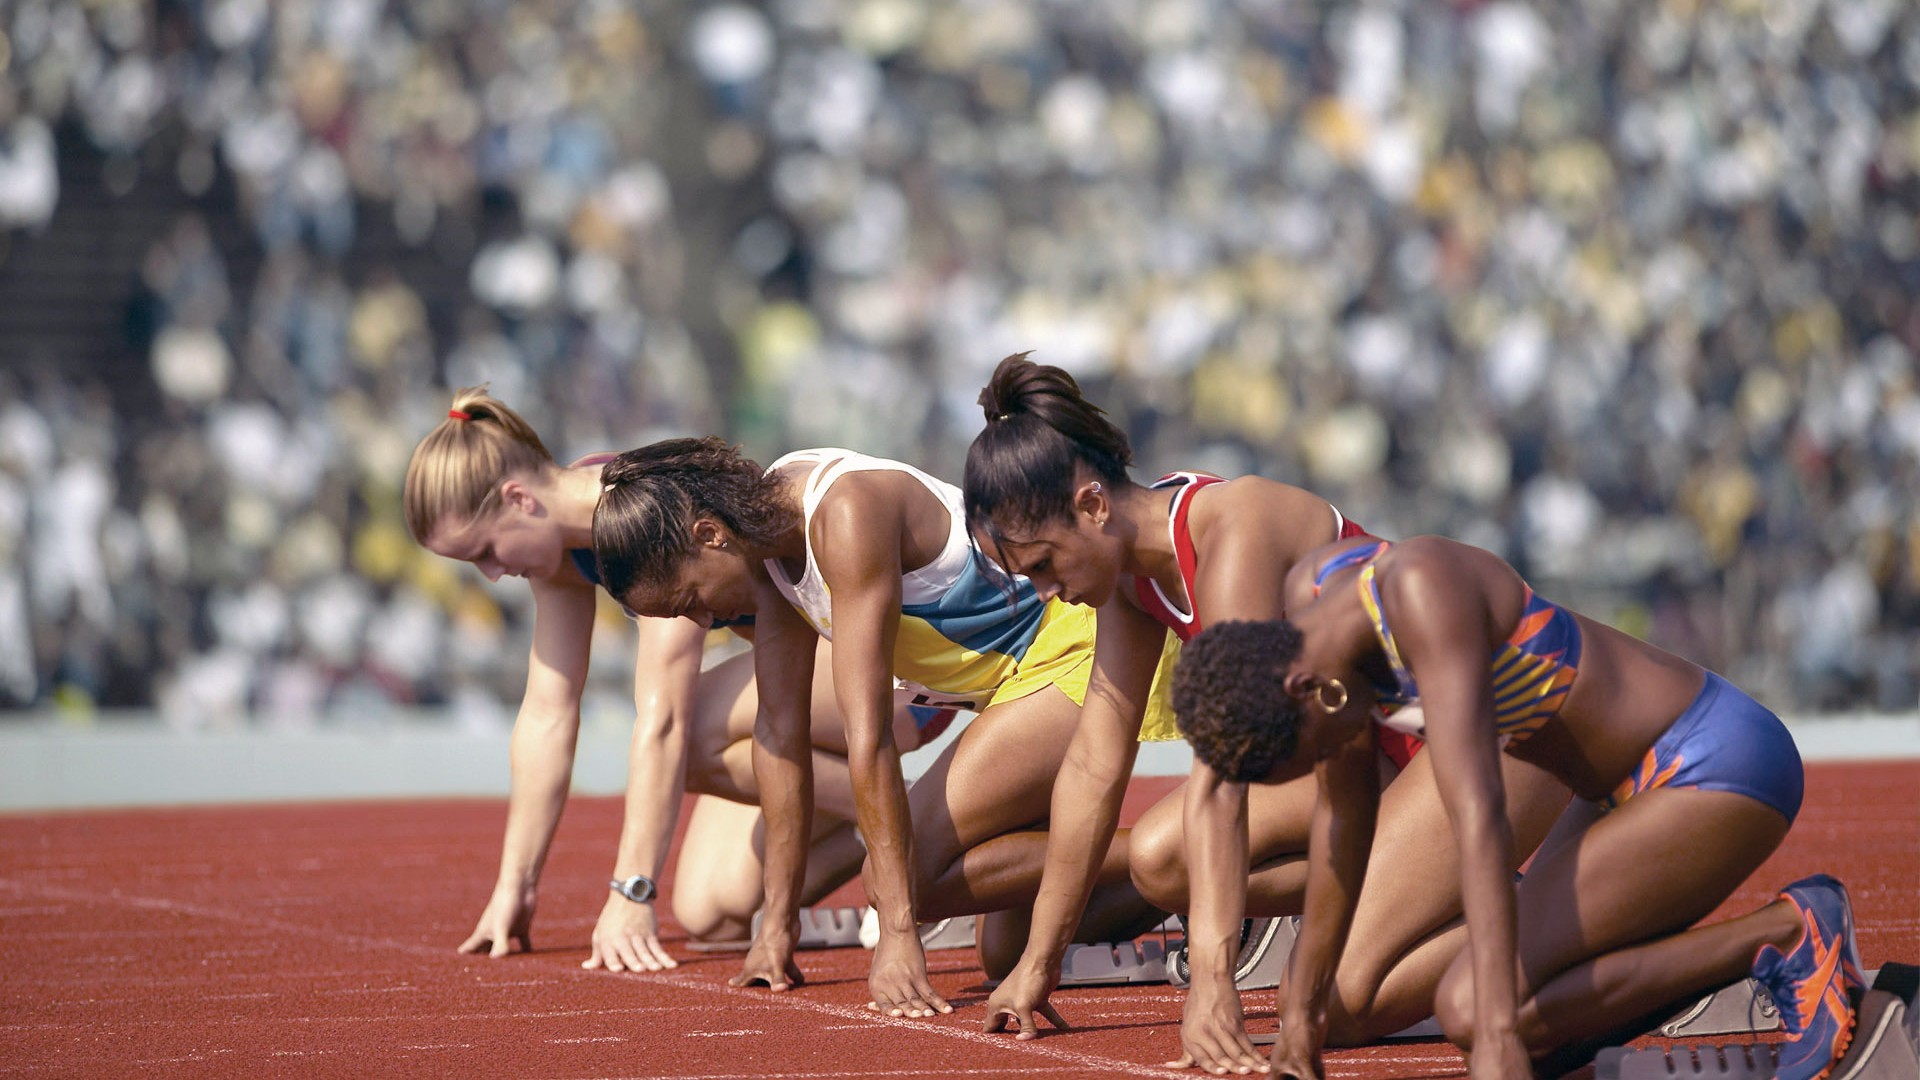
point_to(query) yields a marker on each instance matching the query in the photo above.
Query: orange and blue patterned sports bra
(1531, 672)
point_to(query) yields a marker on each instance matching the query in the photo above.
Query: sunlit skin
(690, 732)
(1111, 536)
(1217, 850)
(719, 580)
(979, 812)
(1510, 999)
(868, 528)
(527, 535)
(1082, 559)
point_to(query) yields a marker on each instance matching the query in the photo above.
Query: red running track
(318, 940)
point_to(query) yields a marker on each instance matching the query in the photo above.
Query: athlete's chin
(1091, 599)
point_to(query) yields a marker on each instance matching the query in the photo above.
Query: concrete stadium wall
(134, 760)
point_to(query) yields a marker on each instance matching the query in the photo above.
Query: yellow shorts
(1062, 655)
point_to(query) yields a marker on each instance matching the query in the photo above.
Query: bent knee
(709, 917)
(1157, 863)
(1351, 1019)
(1453, 1005)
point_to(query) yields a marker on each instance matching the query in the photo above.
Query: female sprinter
(483, 489)
(875, 555)
(1048, 491)
(1684, 786)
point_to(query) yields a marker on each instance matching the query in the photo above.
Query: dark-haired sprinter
(1685, 785)
(1048, 494)
(875, 555)
(482, 488)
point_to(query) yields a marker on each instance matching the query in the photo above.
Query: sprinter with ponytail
(482, 488)
(1048, 496)
(874, 555)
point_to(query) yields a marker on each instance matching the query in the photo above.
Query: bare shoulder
(1432, 569)
(862, 501)
(858, 526)
(1274, 513)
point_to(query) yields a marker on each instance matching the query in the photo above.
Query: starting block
(1263, 960)
(954, 933)
(1742, 1008)
(1121, 963)
(1883, 1047)
(1425, 1029)
(824, 928)
(1740, 1061)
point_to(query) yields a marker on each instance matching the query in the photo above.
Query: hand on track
(627, 938)
(770, 961)
(1499, 1058)
(1019, 996)
(1213, 1032)
(898, 979)
(507, 919)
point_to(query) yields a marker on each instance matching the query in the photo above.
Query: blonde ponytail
(456, 470)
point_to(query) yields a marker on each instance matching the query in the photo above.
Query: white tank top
(965, 626)
(926, 585)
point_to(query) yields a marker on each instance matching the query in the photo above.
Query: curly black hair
(1230, 699)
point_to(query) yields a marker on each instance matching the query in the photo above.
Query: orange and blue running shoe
(1817, 984)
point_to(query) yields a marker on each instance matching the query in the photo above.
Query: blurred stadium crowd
(1624, 290)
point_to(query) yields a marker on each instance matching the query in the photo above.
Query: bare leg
(1604, 917)
(717, 882)
(1405, 928)
(1113, 913)
(1278, 816)
(979, 811)
(720, 744)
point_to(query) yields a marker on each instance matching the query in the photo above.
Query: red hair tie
(458, 414)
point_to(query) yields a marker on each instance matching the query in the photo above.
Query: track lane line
(1002, 1042)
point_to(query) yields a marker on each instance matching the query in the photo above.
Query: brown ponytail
(643, 525)
(456, 470)
(1020, 470)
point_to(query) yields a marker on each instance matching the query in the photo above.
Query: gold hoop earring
(1320, 697)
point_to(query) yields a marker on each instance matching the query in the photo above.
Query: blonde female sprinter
(483, 489)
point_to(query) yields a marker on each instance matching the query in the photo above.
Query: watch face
(637, 888)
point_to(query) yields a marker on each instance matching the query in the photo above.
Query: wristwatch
(638, 888)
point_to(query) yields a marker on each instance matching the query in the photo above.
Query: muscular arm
(1242, 575)
(541, 759)
(1341, 836)
(1445, 631)
(859, 532)
(1085, 810)
(666, 678)
(1093, 778)
(783, 655)
(1213, 1030)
